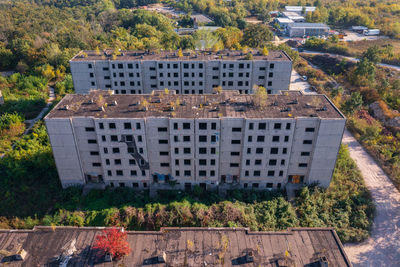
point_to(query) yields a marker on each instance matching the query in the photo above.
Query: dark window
(269, 83)
(202, 150)
(212, 162)
(247, 162)
(203, 126)
(271, 66)
(105, 150)
(107, 162)
(96, 164)
(260, 138)
(257, 162)
(177, 162)
(120, 66)
(187, 162)
(286, 138)
(162, 164)
(90, 66)
(274, 150)
(92, 141)
(250, 139)
(112, 125)
(132, 162)
(271, 173)
(163, 141)
(127, 125)
(213, 150)
(138, 126)
(282, 162)
(288, 126)
(272, 162)
(186, 150)
(236, 129)
(275, 138)
(307, 142)
(303, 165)
(213, 126)
(202, 138)
(101, 125)
(259, 150)
(162, 129)
(235, 153)
(248, 150)
(277, 126)
(187, 173)
(305, 153)
(246, 173)
(94, 153)
(120, 173)
(235, 142)
(134, 173)
(117, 162)
(115, 150)
(256, 173)
(175, 126)
(186, 126)
(114, 138)
(186, 138)
(176, 150)
(202, 162)
(284, 151)
(109, 173)
(251, 126)
(212, 173)
(310, 130)
(234, 165)
(271, 74)
(164, 153)
(262, 126)
(202, 173)
(89, 129)
(129, 138)
(177, 173)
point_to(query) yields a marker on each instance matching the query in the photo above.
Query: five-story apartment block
(138, 72)
(145, 141)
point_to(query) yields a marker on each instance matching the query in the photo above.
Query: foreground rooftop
(229, 103)
(199, 55)
(47, 246)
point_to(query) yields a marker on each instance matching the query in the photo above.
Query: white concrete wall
(65, 152)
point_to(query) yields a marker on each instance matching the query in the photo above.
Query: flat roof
(47, 246)
(229, 103)
(284, 20)
(198, 55)
(309, 25)
(300, 8)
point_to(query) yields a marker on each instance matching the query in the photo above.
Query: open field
(356, 48)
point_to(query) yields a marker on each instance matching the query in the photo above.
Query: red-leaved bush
(113, 241)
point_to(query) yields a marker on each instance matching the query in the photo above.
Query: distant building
(214, 141)
(184, 246)
(197, 72)
(283, 22)
(300, 9)
(307, 29)
(295, 17)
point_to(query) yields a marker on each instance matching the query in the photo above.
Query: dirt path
(383, 247)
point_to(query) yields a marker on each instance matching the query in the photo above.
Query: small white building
(295, 17)
(283, 22)
(300, 9)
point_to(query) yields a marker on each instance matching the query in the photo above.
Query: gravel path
(383, 247)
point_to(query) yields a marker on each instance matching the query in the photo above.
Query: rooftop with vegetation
(226, 103)
(196, 55)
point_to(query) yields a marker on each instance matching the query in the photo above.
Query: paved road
(348, 58)
(297, 83)
(383, 247)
